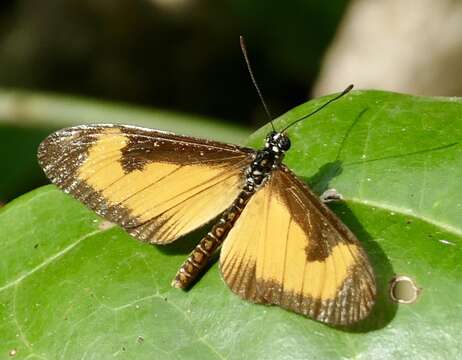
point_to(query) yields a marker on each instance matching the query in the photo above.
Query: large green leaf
(72, 288)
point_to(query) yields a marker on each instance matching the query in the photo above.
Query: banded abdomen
(200, 256)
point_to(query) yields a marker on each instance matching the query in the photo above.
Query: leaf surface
(71, 287)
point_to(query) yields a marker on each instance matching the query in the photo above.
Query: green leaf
(70, 287)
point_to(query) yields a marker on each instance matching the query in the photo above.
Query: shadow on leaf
(384, 309)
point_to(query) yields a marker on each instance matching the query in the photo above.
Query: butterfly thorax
(266, 160)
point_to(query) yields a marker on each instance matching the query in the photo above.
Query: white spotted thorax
(267, 159)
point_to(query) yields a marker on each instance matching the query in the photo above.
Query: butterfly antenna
(344, 92)
(249, 68)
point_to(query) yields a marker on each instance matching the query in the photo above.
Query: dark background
(180, 55)
(176, 55)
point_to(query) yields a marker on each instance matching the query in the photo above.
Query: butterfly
(280, 244)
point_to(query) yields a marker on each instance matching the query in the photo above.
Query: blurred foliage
(19, 169)
(181, 55)
(178, 54)
(26, 118)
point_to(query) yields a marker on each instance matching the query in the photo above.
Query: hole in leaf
(403, 290)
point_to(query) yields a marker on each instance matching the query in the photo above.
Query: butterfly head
(277, 142)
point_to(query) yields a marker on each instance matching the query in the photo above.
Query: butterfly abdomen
(200, 256)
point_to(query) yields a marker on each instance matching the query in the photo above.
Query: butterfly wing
(289, 249)
(157, 185)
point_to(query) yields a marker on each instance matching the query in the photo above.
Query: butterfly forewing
(289, 249)
(158, 186)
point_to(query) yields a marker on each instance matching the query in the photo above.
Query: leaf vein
(48, 261)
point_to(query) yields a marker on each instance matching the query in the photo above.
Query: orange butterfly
(280, 244)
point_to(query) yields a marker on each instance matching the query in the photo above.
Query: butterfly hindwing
(157, 185)
(289, 249)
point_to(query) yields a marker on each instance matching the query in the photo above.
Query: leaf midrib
(50, 259)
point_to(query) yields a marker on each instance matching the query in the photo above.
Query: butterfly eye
(284, 143)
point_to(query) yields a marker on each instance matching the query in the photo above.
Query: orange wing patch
(297, 255)
(140, 179)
